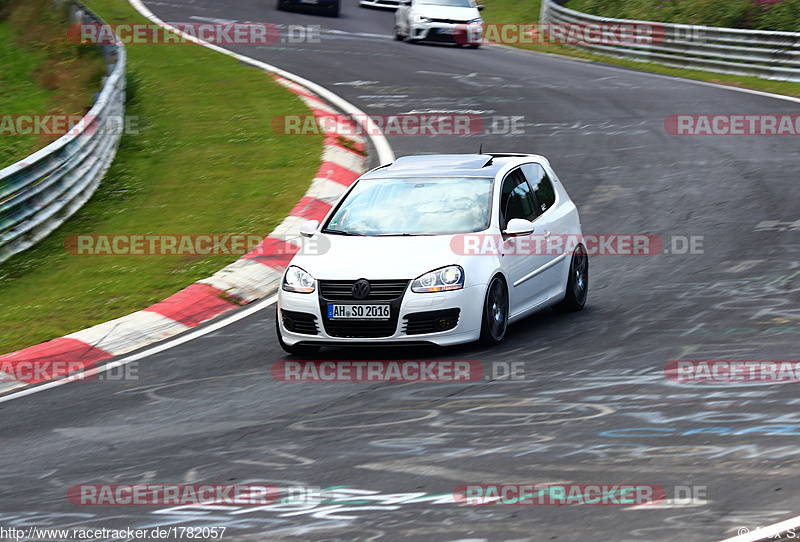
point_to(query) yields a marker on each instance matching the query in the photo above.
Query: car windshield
(418, 206)
(449, 3)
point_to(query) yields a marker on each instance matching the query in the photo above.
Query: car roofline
(473, 173)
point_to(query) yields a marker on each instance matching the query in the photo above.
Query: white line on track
(159, 347)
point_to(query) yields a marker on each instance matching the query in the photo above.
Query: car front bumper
(411, 327)
(465, 34)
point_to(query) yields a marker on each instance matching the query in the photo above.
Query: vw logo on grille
(360, 289)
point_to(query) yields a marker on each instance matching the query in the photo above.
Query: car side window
(516, 199)
(542, 186)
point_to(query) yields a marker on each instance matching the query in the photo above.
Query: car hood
(447, 12)
(375, 258)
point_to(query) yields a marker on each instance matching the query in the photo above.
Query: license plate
(445, 31)
(358, 312)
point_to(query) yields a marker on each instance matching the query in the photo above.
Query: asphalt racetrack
(593, 404)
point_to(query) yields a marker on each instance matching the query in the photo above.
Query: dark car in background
(328, 7)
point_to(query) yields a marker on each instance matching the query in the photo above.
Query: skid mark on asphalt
(459, 476)
(335, 423)
(294, 460)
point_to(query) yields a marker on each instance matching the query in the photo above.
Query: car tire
(494, 321)
(397, 35)
(294, 349)
(334, 11)
(280, 5)
(577, 283)
(474, 45)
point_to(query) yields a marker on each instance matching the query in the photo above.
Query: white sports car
(438, 249)
(449, 21)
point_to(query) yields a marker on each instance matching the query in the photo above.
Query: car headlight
(421, 19)
(475, 21)
(439, 280)
(297, 280)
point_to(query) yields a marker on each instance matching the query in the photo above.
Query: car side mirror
(309, 228)
(481, 7)
(518, 226)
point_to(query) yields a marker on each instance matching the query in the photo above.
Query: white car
(437, 249)
(451, 21)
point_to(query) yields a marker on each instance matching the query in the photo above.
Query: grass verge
(205, 161)
(42, 73)
(527, 12)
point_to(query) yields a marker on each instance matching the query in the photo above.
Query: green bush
(754, 14)
(782, 16)
(728, 13)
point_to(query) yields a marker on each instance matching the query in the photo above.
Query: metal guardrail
(769, 55)
(40, 192)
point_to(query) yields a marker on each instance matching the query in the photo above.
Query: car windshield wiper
(341, 232)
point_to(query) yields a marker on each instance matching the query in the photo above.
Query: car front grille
(448, 21)
(361, 329)
(457, 36)
(381, 291)
(418, 323)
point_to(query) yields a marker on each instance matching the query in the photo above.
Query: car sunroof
(449, 161)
